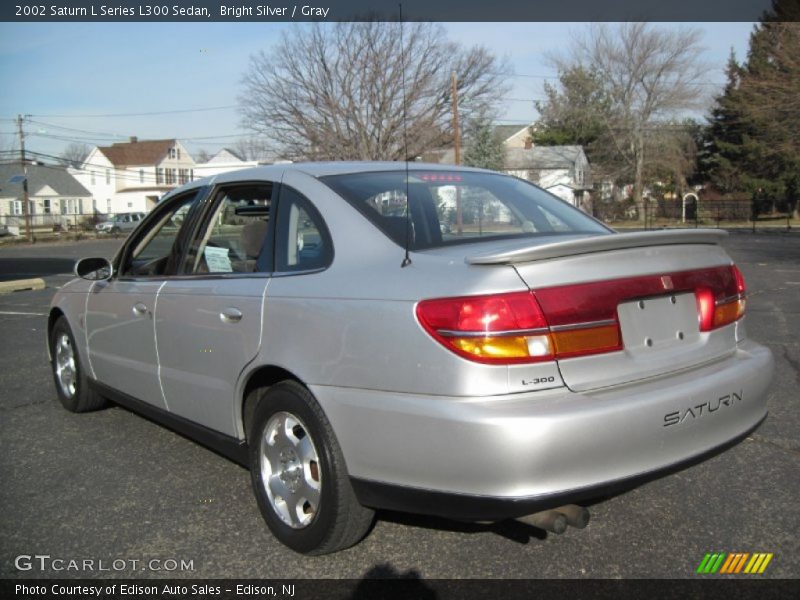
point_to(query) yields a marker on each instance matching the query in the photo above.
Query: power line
(141, 114)
(54, 126)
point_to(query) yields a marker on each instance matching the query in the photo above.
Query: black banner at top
(388, 10)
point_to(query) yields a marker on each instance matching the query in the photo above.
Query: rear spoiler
(600, 243)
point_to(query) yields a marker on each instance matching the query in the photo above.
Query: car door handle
(231, 315)
(140, 309)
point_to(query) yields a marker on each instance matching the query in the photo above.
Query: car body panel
(121, 337)
(525, 445)
(201, 351)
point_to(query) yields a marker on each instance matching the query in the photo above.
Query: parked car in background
(432, 339)
(123, 222)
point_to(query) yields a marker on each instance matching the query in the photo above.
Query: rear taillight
(570, 320)
(501, 328)
(724, 303)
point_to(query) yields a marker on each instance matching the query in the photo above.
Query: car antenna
(407, 258)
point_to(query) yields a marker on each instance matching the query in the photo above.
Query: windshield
(451, 207)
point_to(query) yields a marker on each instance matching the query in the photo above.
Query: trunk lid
(647, 286)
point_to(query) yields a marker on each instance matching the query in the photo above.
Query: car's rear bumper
(505, 456)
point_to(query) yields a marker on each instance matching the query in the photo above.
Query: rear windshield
(457, 207)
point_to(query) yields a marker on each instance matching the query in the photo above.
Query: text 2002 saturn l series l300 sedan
(431, 339)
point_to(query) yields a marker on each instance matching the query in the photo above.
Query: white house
(561, 170)
(222, 161)
(132, 176)
(56, 199)
(514, 136)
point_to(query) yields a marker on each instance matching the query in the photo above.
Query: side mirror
(94, 269)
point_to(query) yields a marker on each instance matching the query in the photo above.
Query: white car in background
(122, 222)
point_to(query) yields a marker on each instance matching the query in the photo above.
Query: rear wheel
(69, 375)
(299, 476)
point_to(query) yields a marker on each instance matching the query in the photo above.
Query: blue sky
(67, 74)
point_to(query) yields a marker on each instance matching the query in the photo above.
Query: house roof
(226, 155)
(543, 157)
(40, 176)
(505, 132)
(144, 152)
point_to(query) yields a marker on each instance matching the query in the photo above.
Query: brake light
(723, 305)
(496, 329)
(570, 320)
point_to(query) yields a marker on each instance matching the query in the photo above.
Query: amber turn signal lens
(575, 342)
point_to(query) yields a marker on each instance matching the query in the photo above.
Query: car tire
(69, 375)
(299, 475)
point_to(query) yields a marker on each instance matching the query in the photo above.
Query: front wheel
(72, 385)
(299, 476)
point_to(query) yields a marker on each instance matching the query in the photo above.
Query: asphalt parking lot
(112, 485)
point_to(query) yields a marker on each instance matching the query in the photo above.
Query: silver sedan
(423, 338)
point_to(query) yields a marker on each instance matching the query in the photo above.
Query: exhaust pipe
(577, 516)
(557, 519)
(549, 520)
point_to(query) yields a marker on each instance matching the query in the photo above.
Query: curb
(21, 284)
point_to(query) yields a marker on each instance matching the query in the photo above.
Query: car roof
(317, 169)
(322, 169)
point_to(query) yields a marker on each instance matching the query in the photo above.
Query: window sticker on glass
(217, 260)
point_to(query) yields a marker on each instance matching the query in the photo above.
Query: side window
(235, 233)
(151, 252)
(303, 242)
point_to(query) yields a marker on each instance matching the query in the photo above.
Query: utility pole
(456, 128)
(25, 199)
(457, 148)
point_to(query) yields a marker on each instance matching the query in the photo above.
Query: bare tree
(336, 91)
(74, 155)
(253, 148)
(202, 156)
(649, 75)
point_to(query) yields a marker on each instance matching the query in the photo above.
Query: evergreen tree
(751, 142)
(575, 112)
(484, 148)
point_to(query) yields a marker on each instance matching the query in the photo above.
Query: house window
(46, 206)
(141, 175)
(15, 207)
(170, 173)
(191, 174)
(108, 176)
(183, 175)
(178, 151)
(130, 204)
(159, 176)
(108, 206)
(172, 153)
